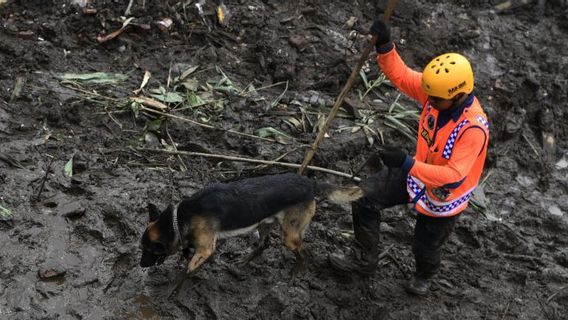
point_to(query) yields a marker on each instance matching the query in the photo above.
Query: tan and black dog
(223, 210)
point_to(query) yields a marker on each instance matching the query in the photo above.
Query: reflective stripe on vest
(443, 209)
(452, 140)
(483, 121)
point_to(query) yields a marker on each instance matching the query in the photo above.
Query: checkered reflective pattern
(483, 121)
(435, 209)
(452, 140)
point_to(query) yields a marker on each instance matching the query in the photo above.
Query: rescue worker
(453, 136)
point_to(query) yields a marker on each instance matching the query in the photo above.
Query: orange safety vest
(449, 160)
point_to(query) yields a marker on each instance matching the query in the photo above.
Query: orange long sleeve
(402, 77)
(464, 155)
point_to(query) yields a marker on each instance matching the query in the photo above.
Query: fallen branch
(183, 166)
(262, 166)
(511, 5)
(239, 159)
(88, 92)
(555, 294)
(205, 125)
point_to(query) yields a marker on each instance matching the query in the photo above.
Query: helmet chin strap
(178, 240)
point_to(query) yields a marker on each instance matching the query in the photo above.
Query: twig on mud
(524, 258)
(239, 159)
(555, 294)
(531, 145)
(385, 252)
(396, 263)
(45, 177)
(507, 308)
(127, 11)
(12, 162)
(113, 119)
(180, 280)
(89, 92)
(266, 87)
(277, 100)
(183, 166)
(262, 166)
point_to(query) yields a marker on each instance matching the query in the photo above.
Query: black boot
(417, 286)
(366, 228)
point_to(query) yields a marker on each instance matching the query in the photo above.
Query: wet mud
(69, 230)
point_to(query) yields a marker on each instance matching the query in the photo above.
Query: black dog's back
(246, 202)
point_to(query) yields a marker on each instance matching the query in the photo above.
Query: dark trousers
(386, 189)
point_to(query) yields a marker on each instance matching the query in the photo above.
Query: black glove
(393, 157)
(382, 31)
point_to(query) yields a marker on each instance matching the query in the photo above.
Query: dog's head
(158, 238)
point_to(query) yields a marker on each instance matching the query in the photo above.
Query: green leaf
(5, 213)
(69, 167)
(191, 84)
(194, 100)
(154, 125)
(135, 107)
(269, 132)
(95, 77)
(187, 72)
(168, 97)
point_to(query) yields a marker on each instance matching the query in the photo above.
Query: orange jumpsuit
(450, 152)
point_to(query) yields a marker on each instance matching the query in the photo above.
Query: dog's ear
(154, 212)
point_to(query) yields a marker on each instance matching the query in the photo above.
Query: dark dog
(223, 210)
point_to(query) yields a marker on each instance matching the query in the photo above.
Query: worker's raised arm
(402, 77)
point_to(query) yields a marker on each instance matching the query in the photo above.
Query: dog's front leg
(204, 247)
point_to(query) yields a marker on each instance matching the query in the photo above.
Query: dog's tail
(337, 194)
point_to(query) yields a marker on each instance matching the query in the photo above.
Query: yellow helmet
(447, 75)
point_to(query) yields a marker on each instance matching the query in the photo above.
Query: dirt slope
(70, 243)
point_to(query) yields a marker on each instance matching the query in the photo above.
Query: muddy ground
(70, 231)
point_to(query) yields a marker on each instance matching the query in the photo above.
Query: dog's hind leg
(264, 241)
(294, 225)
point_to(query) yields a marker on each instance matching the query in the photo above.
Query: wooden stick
(239, 159)
(339, 101)
(44, 177)
(555, 294)
(127, 11)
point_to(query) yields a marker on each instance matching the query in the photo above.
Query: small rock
(562, 164)
(555, 210)
(72, 210)
(51, 272)
(525, 181)
(151, 140)
(298, 42)
(445, 283)
(351, 22)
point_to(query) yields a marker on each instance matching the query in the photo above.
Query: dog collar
(177, 235)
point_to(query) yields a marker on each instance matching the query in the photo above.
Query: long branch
(240, 159)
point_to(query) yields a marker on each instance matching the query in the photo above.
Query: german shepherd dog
(223, 210)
